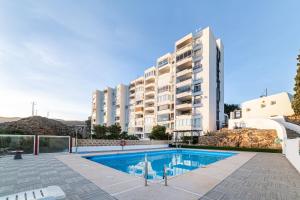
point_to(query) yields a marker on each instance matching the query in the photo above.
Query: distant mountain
(36, 125)
(9, 119)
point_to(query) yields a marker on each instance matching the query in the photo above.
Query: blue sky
(56, 52)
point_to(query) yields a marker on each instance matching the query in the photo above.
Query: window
(152, 73)
(162, 63)
(183, 89)
(162, 98)
(197, 99)
(197, 76)
(183, 55)
(197, 52)
(197, 122)
(273, 102)
(262, 105)
(163, 107)
(163, 117)
(163, 89)
(248, 110)
(197, 65)
(197, 87)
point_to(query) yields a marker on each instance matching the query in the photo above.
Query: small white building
(268, 106)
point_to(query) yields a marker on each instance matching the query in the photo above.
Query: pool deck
(243, 176)
(191, 185)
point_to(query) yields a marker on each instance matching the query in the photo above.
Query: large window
(163, 89)
(152, 73)
(183, 55)
(163, 117)
(163, 98)
(197, 65)
(197, 99)
(183, 89)
(197, 87)
(162, 63)
(163, 107)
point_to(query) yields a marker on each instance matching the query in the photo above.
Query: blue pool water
(176, 161)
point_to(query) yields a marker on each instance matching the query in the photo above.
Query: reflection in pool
(176, 161)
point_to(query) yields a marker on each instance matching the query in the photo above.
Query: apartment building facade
(184, 91)
(110, 106)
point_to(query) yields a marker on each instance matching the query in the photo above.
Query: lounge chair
(48, 193)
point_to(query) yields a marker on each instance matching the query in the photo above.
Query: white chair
(48, 193)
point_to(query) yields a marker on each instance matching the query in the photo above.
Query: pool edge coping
(177, 182)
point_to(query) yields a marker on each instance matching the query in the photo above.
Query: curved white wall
(292, 152)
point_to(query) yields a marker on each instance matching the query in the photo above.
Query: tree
(88, 125)
(296, 100)
(100, 131)
(230, 108)
(114, 129)
(158, 133)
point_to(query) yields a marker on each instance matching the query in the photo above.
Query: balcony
(184, 72)
(197, 68)
(184, 61)
(149, 84)
(149, 93)
(184, 94)
(183, 106)
(184, 83)
(197, 92)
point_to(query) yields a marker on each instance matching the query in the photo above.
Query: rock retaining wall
(246, 137)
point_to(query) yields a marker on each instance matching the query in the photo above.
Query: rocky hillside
(36, 125)
(295, 119)
(251, 138)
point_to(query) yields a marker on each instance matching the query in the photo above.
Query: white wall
(282, 106)
(116, 148)
(292, 152)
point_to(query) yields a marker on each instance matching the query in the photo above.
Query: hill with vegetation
(35, 125)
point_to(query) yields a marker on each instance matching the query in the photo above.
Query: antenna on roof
(32, 107)
(265, 93)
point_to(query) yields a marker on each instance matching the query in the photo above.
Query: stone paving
(34, 172)
(265, 176)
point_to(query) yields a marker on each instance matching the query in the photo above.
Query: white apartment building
(184, 91)
(110, 106)
(268, 106)
(199, 70)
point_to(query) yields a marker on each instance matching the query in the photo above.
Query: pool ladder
(165, 177)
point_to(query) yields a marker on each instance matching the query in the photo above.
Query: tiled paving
(34, 172)
(265, 176)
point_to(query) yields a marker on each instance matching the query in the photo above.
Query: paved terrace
(265, 176)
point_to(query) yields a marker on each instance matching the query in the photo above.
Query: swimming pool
(177, 161)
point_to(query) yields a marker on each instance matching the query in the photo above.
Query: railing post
(70, 144)
(146, 172)
(36, 144)
(165, 175)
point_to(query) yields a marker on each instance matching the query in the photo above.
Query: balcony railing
(183, 90)
(162, 63)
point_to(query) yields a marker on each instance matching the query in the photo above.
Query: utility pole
(32, 107)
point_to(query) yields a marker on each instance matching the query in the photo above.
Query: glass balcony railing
(162, 63)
